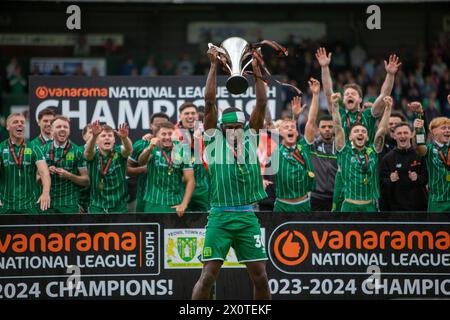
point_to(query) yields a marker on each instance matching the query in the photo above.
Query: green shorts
(338, 194)
(199, 201)
(302, 206)
(120, 209)
(239, 230)
(157, 208)
(63, 209)
(351, 207)
(438, 206)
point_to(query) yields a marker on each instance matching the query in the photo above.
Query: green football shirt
(40, 141)
(294, 178)
(359, 172)
(165, 175)
(234, 171)
(138, 147)
(19, 186)
(109, 191)
(438, 173)
(365, 118)
(64, 192)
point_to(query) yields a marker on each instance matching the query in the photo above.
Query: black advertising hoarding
(117, 99)
(316, 256)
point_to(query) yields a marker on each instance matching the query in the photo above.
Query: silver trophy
(236, 52)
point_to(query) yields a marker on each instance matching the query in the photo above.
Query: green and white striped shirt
(438, 184)
(19, 186)
(115, 188)
(64, 192)
(232, 182)
(293, 179)
(365, 118)
(359, 185)
(37, 142)
(164, 182)
(138, 147)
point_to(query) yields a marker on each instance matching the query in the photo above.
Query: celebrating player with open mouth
(67, 168)
(167, 166)
(20, 160)
(357, 161)
(107, 168)
(295, 176)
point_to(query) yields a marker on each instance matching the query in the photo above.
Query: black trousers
(321, 204)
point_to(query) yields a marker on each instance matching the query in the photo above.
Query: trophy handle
(221, 52)
(246, 65)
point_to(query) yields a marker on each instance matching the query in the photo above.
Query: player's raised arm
(147, 152)
(338, 129)
(391, 69)
(257, 117)
(383, 126)
(127, 145)
(89, 151)
(324, 60)
(310, 128)
(210, 92)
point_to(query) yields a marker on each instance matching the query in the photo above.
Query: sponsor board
(360, 259)
(183, 247)
(316, 256)
(116, 99)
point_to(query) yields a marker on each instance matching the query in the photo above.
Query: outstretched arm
(386, 89)
(89, 151)
(324, 60)
(210, 92)
(257, 118)
(338, 130)
(383, 125)
(127, 145)
(310, 128)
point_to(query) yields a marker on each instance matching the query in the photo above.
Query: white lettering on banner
(140, 112)
(45, 104)
(149, 249)
(168, 106)
(80, 113)
(411, 287)
(191, 92)
(103, 113)
(366, 259)
(141, 92)
(55, 262)
(109, 288)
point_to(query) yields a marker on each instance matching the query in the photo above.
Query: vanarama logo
(289, 251)
(291, 244)
(43, 92)
(57, 242)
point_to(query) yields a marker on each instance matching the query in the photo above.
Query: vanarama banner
(316, 256)
(117, 99)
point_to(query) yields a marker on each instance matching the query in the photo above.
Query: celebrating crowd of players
(359, 158)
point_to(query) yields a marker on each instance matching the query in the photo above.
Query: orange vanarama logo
(289, 251)
(44, 92)
(291, 247)
(56, 242)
